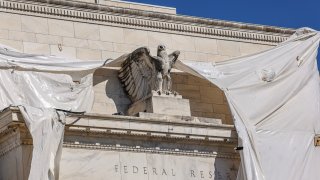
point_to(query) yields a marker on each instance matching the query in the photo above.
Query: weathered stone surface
(156, 38)
(188, 91)
(179, 118)
(10, 21)
(101, 108)
(36, 48)
(88, 54)
(228, 48)
(63, 51)
(18, 45)
(143, 166)
(249, 48)
(111, 34)
(194, 56)
(71, 158)
(87, 31)
(100, 45)
(48, 39)
(4, 34)
(222, 109)
(34, 24)
(187, 87)
(190, 94)
(162, 105)
(183, 43)
(110, 54)
(74, 42)
(22, 36)
(206, 45)
(109, 95)
(211, 95)
(136, 37)
(61, 28)
(202, 107)
(124, 48)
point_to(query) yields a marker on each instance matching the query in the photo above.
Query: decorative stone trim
(11, 141)
(150, 20)
(154, 134)
(150, 150)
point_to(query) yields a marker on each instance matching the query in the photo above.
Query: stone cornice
(102, 127)
(132, 133)
(152, 121)
(132, 18)
(151, 150)
(9, 140)
(170, 17)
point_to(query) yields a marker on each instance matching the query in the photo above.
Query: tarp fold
(274, 99)
(43, 87)
(273, 96)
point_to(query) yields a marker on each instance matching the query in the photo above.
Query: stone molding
(102, 132)
(150, 150)
(16, 134)
(9, 140)
(78, 130)
(116, 16)
(187, 122)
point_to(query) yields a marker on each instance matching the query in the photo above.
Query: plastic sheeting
(273, 96)
(274, 99)
(42, 86)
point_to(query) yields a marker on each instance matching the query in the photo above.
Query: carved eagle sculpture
(141, 73)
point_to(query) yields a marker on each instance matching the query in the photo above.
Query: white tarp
(40, 85)
(274, 99)
(273, 96)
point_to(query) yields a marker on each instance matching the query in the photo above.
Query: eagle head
(161, 51)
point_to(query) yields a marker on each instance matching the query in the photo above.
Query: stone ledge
(136, 126)
(154, 120)
(180, 118)
(97, 134)
(150, 150)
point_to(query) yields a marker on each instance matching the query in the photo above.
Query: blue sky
(283, 13)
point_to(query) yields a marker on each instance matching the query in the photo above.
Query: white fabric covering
(274, 99)
(39, 85)
(273, 96)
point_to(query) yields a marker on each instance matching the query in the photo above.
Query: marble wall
(143, 166)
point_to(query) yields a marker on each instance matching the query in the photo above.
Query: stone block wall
(206, 99)
(110, 97)
(92, 41)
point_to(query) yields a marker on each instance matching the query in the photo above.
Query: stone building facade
(103, 29)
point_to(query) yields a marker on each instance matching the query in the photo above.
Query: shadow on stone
(109, 94)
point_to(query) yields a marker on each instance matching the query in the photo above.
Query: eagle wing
(138, 74)
(173, 57)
